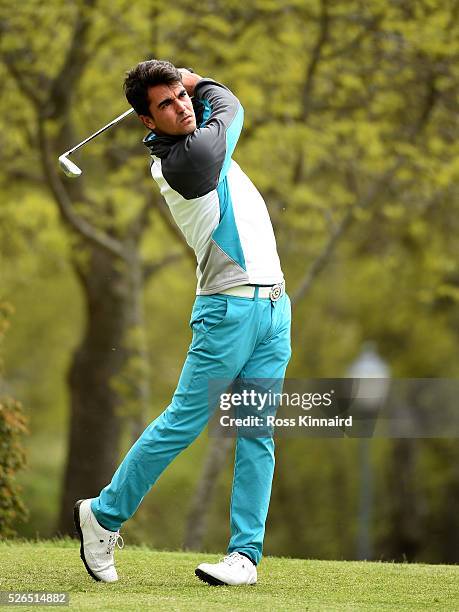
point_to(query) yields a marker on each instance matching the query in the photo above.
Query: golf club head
(69, 167)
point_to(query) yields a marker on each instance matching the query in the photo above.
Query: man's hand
(189, 80)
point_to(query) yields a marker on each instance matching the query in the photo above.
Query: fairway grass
(151, 580)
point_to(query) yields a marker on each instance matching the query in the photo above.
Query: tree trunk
(112, 294)
(198, 514)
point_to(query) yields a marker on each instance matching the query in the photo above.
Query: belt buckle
(277, 291)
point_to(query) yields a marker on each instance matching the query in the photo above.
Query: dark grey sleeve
(197, 164)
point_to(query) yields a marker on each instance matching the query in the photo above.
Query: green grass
(166, 581)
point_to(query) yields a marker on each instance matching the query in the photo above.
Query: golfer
(240, 318)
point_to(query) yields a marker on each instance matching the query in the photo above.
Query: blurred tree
(351, 136)
(13, 426)
(109, 372)
(354, 97)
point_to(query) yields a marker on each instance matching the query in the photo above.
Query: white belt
(274, 293)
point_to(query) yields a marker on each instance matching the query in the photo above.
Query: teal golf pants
(233, 337)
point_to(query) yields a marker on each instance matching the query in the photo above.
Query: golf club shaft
(115, 121)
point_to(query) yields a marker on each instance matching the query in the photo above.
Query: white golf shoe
(97, 544)
(234, 569)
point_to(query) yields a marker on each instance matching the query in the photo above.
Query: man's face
(171, 110)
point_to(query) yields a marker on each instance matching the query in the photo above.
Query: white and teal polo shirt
(217, 207)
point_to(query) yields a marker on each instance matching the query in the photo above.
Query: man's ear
(147, 121)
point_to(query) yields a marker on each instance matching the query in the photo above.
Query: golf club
(72, 169)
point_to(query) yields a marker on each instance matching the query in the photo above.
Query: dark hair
(144, 75)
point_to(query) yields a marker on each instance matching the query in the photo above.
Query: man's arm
(189, 80)
(204, 160)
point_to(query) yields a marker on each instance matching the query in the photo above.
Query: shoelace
(113, 540)
(234, 557)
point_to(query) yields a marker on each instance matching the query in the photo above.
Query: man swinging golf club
(240, 319)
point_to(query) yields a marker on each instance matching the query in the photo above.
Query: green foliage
(335, 96)
(13, 425)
